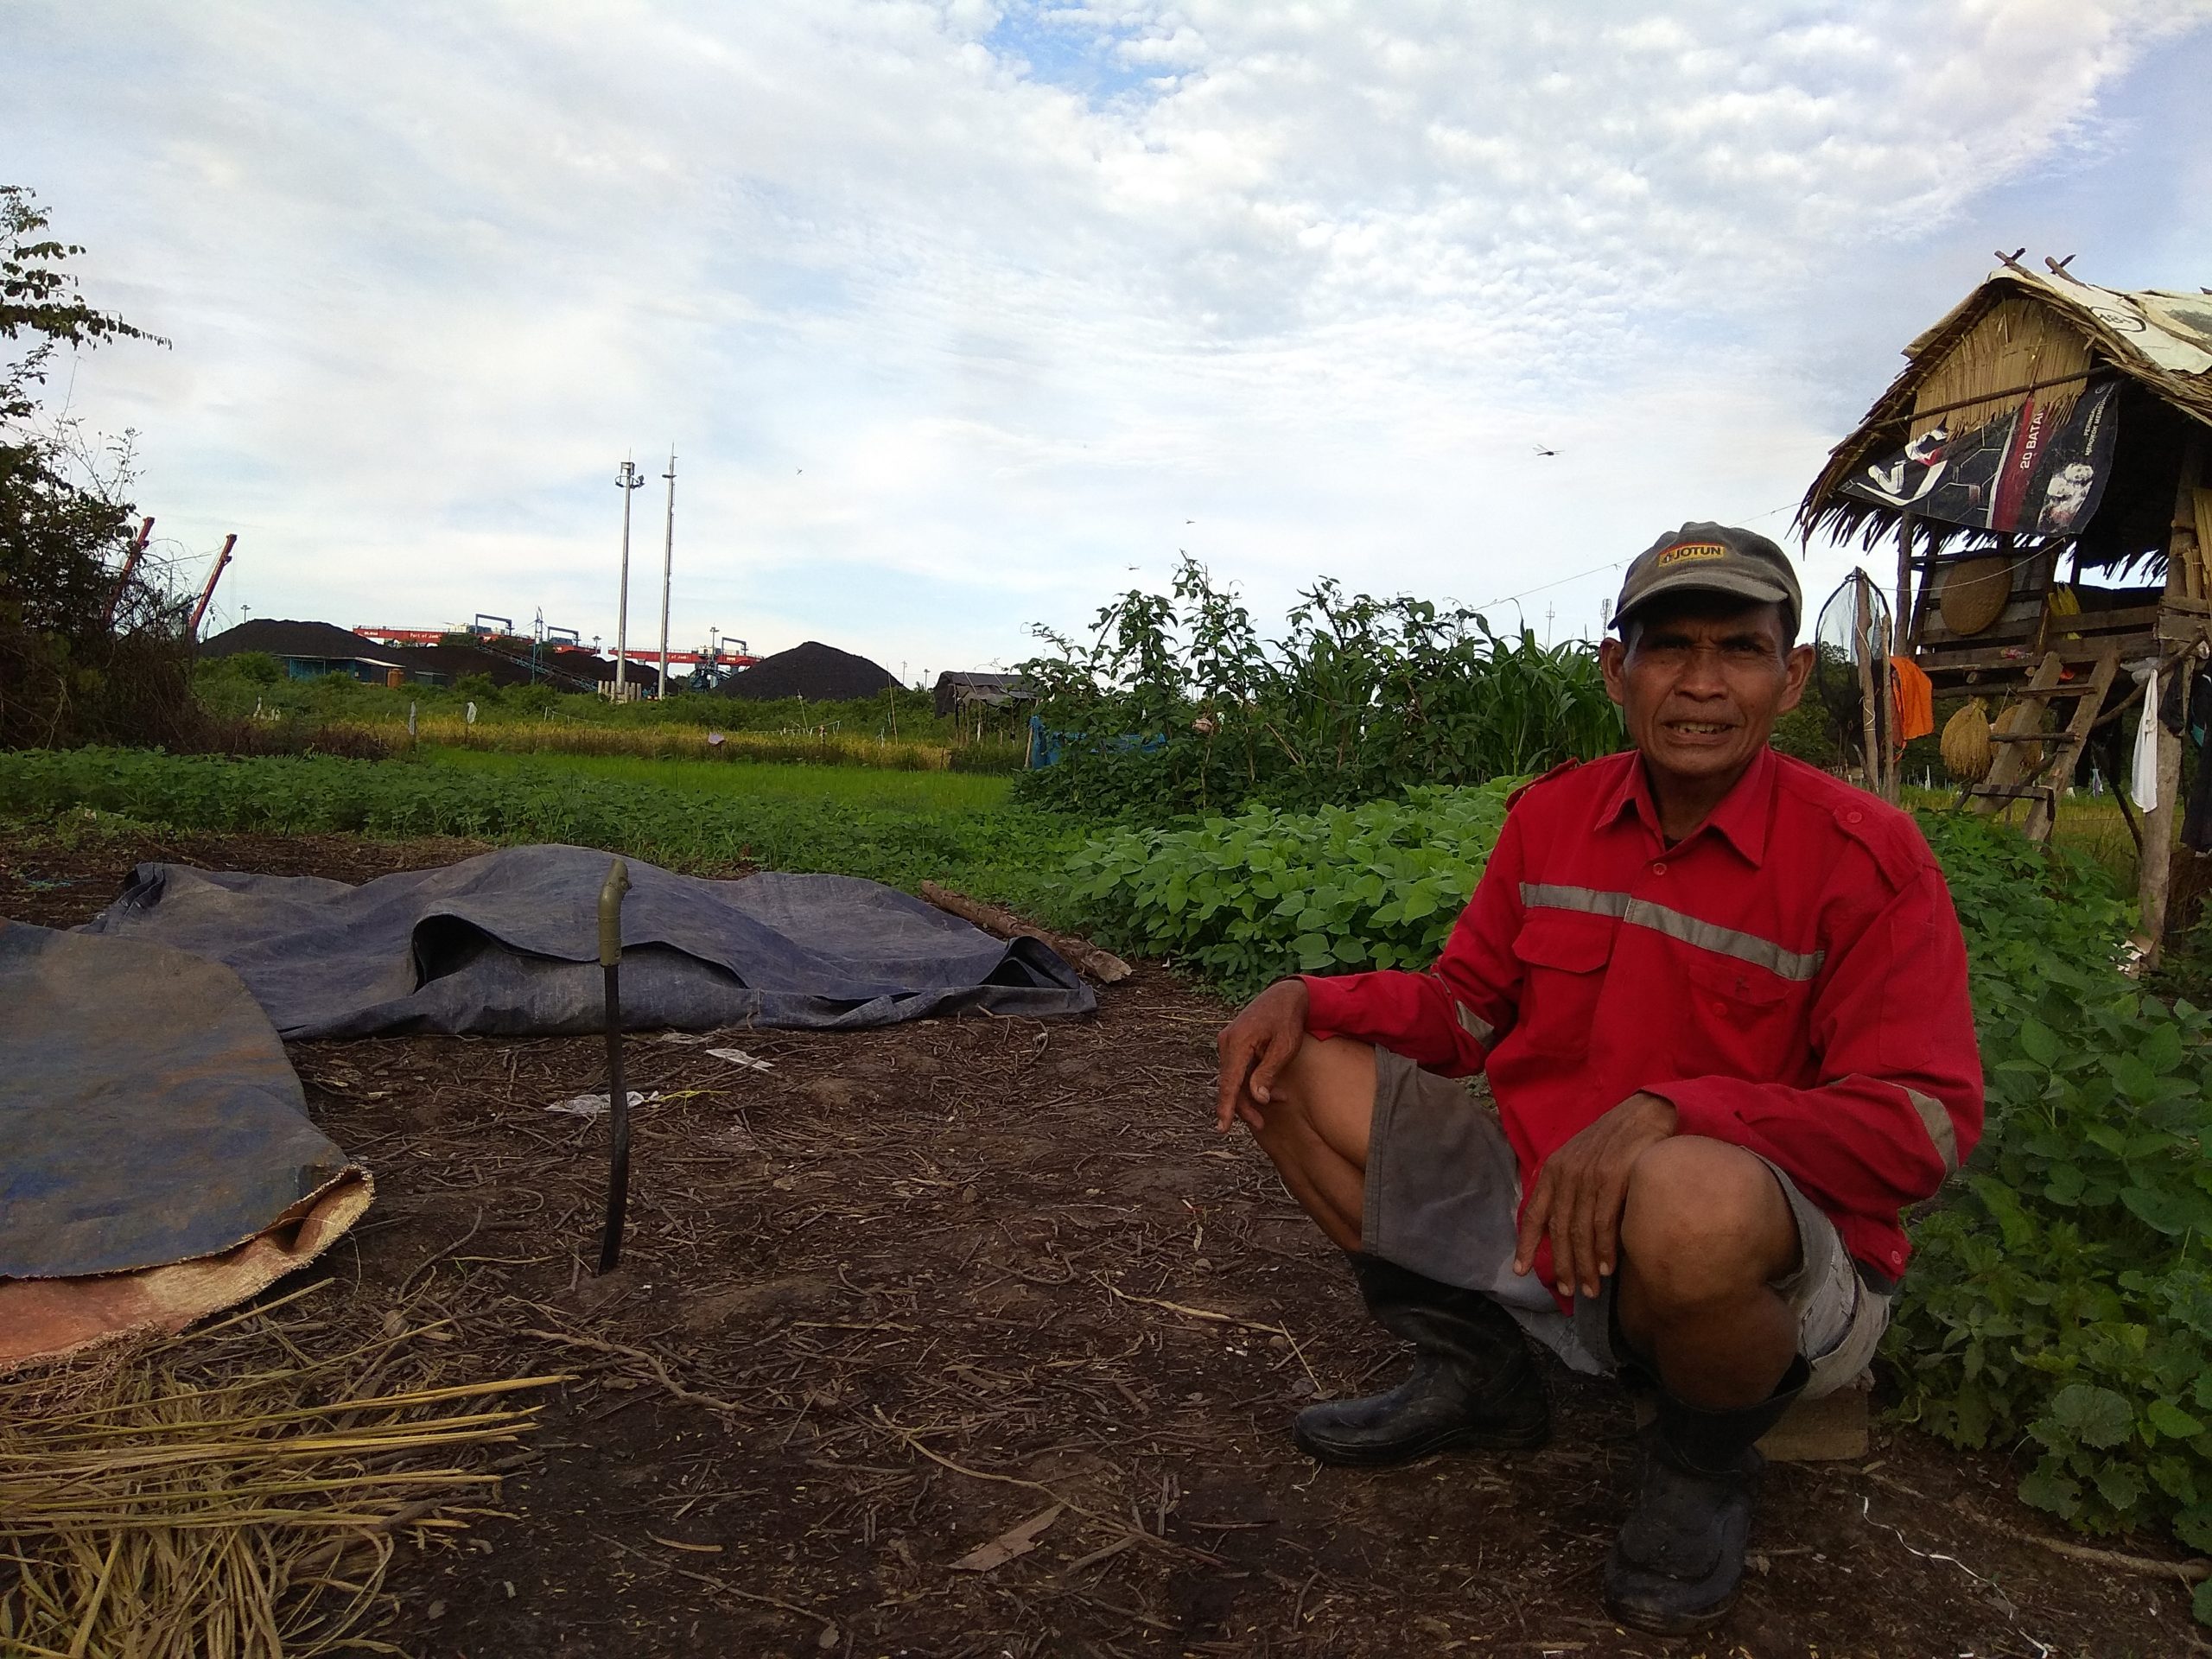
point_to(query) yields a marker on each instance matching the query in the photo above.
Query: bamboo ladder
(2040, 776)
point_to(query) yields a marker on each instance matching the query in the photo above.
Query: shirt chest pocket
(1751, 1016)
(1563, 956)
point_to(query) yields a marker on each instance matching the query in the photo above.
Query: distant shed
(2047, 423)
(959, 693)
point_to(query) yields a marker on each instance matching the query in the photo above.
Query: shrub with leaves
(84, 655)
(1176, 706)
(2061, 1301)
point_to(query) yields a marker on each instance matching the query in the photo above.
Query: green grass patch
(1010, 854)
(918, 792)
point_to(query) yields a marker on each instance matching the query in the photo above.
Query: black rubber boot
(1474, 1383)
(1676, 1565)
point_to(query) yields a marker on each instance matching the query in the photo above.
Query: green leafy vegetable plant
(2060, 1303)
(1247, 899)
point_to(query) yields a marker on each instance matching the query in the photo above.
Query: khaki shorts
(1444, 1198)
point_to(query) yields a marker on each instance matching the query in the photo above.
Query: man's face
(1701, 682)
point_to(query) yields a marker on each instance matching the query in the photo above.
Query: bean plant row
(2060, 1303)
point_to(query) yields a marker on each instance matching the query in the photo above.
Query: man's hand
(1255, 1046)
(1581, 1190)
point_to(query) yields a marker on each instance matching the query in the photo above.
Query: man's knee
(1325, 1094)
(1705, 1222)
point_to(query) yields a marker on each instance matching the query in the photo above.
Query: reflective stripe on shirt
(1935, 1118)
(1706, 936)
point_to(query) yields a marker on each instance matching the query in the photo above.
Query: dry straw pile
(1966, 749)
(236, 1492)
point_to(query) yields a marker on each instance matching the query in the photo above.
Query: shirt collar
(1741, 818)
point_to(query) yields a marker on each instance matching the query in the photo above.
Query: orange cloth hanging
(1916, 699)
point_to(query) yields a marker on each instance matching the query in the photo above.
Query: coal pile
(817, 672)
(281, 637)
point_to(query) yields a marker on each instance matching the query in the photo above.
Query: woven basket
(1975, 595)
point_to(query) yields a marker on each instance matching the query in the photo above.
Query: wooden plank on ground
(1831, 1430)
(1101, 965)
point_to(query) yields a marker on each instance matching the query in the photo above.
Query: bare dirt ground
(909, 1289)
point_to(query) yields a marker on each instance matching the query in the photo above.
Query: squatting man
(1722, 1000)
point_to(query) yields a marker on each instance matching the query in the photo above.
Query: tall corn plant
(1174, 705)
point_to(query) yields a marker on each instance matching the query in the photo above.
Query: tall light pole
(667, 565)
(627, 480)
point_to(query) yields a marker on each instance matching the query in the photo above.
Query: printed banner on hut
(2028, 471)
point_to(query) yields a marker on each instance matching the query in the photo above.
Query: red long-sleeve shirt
(1790, 976)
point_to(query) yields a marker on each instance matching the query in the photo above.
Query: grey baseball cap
(1713, 559)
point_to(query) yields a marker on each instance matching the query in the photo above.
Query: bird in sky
(1542, 451)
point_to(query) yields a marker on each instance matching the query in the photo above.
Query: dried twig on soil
(1211, 1317)
(596, 1345)
(1135, 1535)
(2193, 1571)
(723, 1585)
(431, 1261)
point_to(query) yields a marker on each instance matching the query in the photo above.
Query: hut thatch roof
(957, 689)
(2048, 335)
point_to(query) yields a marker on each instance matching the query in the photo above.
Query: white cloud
(987, 301)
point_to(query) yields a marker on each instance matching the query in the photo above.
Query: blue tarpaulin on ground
(148, 1113)
(507, 942)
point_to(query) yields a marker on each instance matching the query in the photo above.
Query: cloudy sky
(962, 316)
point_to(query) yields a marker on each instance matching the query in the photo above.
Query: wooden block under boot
(1830, 1429)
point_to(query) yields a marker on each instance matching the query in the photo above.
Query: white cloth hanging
(2144, 784)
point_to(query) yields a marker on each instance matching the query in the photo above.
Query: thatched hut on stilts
(2043, 465)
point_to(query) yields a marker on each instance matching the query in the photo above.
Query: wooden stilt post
(1904, 611)
(1873, 672)
(1892, 746)
(2158, 823)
